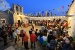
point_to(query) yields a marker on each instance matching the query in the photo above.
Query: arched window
(16, 8)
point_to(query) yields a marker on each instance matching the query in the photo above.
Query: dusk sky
(33, 6)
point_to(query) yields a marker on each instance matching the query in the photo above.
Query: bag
(44, 43)
(38, 37)
(41, 40)
(52, 44)
(1, 35)
(48, 44)
(52, 47)
(22, 35)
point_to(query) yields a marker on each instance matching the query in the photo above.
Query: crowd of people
(54, 37)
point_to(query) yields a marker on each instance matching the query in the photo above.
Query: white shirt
(44, 38)
(64, 38)
(49, 31)
(14, 34)
(67, 41)
(18, 31)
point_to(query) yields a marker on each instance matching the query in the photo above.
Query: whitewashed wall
(72, 9)
(48, 18)
(71, 21)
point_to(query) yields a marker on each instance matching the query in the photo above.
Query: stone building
(4, 18)
(17, 14)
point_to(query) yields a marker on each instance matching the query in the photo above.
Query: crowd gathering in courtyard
(52, 37)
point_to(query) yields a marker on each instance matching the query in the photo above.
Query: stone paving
(19, 45)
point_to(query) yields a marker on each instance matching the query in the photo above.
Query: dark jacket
(30, 31)
(53, 44)
(49, 38)
(67, 47)
(36, 33)
(4, 34)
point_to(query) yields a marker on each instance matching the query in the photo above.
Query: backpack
(41, 40)
(22, 35)
(53, 44)
(44, 43)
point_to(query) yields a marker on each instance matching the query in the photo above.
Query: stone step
(10, 48)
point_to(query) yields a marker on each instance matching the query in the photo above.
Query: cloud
(4, 5)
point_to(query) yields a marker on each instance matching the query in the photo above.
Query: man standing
(25, 39)
(33, 39)
(36, 32)
(18, 33)
(4, 35)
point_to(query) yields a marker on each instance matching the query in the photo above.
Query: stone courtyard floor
(19, 45)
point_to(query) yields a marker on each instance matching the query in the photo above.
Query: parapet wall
(48, 18)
